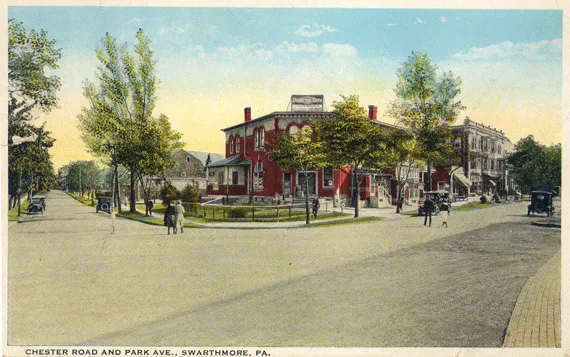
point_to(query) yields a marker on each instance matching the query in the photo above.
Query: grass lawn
(13, 213)
(84, 200)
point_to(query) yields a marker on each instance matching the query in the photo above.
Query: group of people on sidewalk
(429, 208)
(174, 217)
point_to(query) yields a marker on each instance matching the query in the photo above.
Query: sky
(213, 62)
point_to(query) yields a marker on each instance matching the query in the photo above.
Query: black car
(37, 205)
(541, 202)
(439, 198)
(104, 204)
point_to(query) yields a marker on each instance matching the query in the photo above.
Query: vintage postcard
(283, 179)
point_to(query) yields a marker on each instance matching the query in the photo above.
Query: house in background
(189, 169)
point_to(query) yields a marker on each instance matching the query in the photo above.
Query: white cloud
(329, 49)
(339, 50)
(314, 31)
(288, 47)
(245, 52)
(508, 50)
(419, 21)
(443, 19)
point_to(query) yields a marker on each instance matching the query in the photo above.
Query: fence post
(277, 213)
(289, 211)
(252, 213)
(213, 213)
(223, 213)
(204, 210)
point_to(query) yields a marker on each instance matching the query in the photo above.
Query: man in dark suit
(428, 209)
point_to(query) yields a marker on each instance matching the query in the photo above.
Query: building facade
(483, 151)
(248, 175)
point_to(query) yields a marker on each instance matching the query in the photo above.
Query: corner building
(248, 175)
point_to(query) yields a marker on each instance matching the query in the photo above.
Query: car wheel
(104, 207)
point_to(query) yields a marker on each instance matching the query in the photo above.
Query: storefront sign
(312, 103)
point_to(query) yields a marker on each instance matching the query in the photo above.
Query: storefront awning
(462, 179)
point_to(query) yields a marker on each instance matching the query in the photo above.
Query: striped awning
(462, 179)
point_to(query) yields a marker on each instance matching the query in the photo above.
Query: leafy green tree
(535, 166)
(169, 193)
(300, 152)
(82, 176)
(350, 138)
(31, 89)
(401, 155)
(427, 105)
(118, 124)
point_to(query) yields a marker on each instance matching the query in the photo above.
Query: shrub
(483, 199)
(190, 194)
(237, 212)
(168, 193)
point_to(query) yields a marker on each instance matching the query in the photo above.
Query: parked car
(541, 202)
(439, 198)
(104, 204)
(37, 205)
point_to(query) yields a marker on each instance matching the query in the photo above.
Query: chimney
(372, 112)
(247, 114)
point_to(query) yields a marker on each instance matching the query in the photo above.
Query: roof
(301, 114)
(203, 156)
(231, 161)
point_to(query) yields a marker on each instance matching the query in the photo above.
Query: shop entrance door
(286, 185)
(311, 177)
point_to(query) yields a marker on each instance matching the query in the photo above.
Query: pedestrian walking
(446, 216)
(149, 206)
(428, 209)
(316, 206)
(170, 218)
(179, 216)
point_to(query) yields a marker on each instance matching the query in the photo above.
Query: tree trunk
(132, 196)
(398, 195)
(429, 175)
(116, 188)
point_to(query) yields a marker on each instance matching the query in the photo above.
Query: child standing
(446, 216)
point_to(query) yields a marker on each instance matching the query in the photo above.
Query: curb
(547, 224)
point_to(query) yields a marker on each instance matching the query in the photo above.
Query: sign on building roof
(311, 103)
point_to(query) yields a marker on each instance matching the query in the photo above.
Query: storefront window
(327, 177)
(258, 175)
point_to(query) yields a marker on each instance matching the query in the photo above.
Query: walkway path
(536, 319)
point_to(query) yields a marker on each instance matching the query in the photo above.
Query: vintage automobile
(104, 204)
(37, 205)
(439, 198)
(541, 202)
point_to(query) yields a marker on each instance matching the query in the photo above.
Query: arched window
(293, 129)
(231, 144)
(256, 139)
(237, 144)
(262, 138)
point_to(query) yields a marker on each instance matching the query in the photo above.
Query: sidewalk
(535, 321)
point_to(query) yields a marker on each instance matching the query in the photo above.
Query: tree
(118, 125)
(300, 152)
(427, 105)
(349, 138)
(402, 153)
(31, 55)
(81, 176)
(535, 166)
(168, 193)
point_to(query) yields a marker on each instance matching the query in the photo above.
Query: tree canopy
(535, 166)
(299, 152)
(427, 105)
(350, 139)
(31, 90)
(118, 125)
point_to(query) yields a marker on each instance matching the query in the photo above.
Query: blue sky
(213, 62)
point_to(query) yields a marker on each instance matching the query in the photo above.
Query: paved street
(391, 283)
